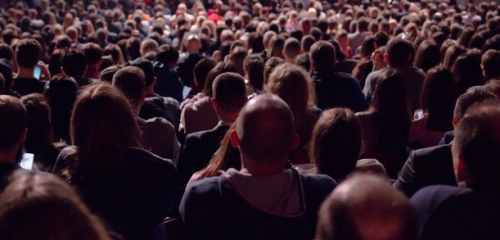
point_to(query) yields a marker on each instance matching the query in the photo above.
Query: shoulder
(149, 159)
(432, 196)
(318, 182)
(157, 123)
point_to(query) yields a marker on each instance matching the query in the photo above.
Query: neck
(8, 156)
(23, 72)
(261, 169)
(290, 60)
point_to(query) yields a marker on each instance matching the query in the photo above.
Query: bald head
(265, 130)
(366, 207)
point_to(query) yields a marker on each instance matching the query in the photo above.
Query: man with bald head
(366, 207)
(266, 199)
(470, 211)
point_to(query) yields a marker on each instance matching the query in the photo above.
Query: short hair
(93, 53)
(115, 52)
(201, 70)
(254, 67)
(108, 73)
(6, 51)
(237, 57)
(477, 142)
(381, 39)
(130, 81)
(270, 65)
(55, 211)
(292, 47)
(229, 92)
(74, 62)
(363, 204)
(490, 61)
(322, 55)
(306, 43)
(13, 121)
(219, 69)
(147, 68)
(28, 53)
(473, 96)
(336, 142)
(167, 55)
(148, 45)
(399, 52)
(316, 33)
(265, 129)
(39, 136)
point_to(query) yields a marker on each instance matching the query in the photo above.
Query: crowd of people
(269, 119)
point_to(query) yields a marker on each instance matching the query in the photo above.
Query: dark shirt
(168, 82)
(338, 90)
(425, 167)
(25, 86)
(157, 106)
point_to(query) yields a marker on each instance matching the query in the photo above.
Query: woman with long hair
(385, 125)
(438, 103)
(428, 55)
(293, 85)
(130, 188)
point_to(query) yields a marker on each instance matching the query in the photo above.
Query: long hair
(428, 55)
(390, 109)
(438, 99)
(40, 206)
(102, 128)
(467, 71)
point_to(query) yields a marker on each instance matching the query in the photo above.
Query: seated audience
(28, 53)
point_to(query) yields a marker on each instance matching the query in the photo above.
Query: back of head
(147, 68)
(133, 48)
(41, 206)
(265, 130)
(427, 56)
(490, 62)
(28, 53)
(270, 65)
(13, 121)
(322, 55)
(229, 92)
(219, 69)
(130, 80)
(254, 68)
(168, 56)
(473, 96)
(336, 142)
(39, 135)
(477, 145)
(390, 94)
(108, 73)
(148, 45)
(74, 62)
(201, 70)
(93, 53)
(366, 207)
(399, 52)
(291, 48)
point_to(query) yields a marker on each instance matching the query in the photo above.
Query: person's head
(367, 47)
(237, 57)
(147, 68)
(474, 95)
(133, 48)
(427, 56)
(476, 148)
(322, 54)
(148, 45)
(228, 96)
(451, 55)
(390, 94)
(131, 81)
(306, 43)
(39, 136)
(93, 53)
(28, 53)
(193, 44)
(42, 206)
(270, 65)
(335, 143)
(366, 207)
(102, 128)
(291, 50)
(13, 125)
(168, 56)
(115, 52)
(74, 63)
(276, 47)
(265, 134)
(254, 70)
(399, 53)
(201, 70)
(467, 71)
(438, 99)
(489, 63)
(267, 38)
(219, 69)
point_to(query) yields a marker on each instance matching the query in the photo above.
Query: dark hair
(335, 143)
(6, 51)
(167, 55)
(474, 95)
(428, 55)
(28, 53)
(306, 43)
(292, 47)
(254, 67)
(491, 62)
(270, 65)
(219, 69)
(316, 33)
(438, 99)
(131, 81)
(133, 48)
(93, 53)
(61, 95)
(399, 52)
(322, 55)
(13, 121)
(228, 89)
(74, 62)
(451, 55)
(304, 61)
(467, 71)
(147, 68)
(115, 52)
(367, 47)
(201, 70)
